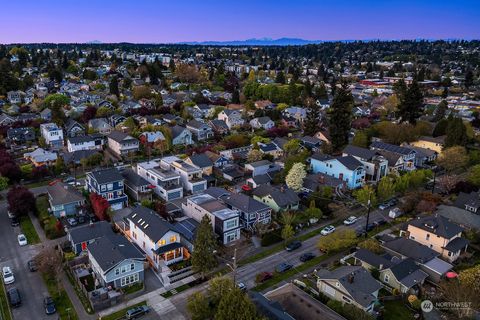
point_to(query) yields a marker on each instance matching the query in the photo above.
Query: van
(395, 213)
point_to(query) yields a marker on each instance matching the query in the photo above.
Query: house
(316, 181)
(15, 97)
(264, 105)
(271, 149)
(202, 161)
(152, 139)
(468, 201)
(279, 199)
(52, 134)
(64, 199)
(349, 284)
(76, 156)
(405, 157)
(6, 120)
(109, 184)
(46, 114)
(311, 143)
(299, 114)
(347, 168)
(181, 135)
(158, 238)
(219, 126)
(73, 128)
(376, 166)
(262, 123)
(225, 221)
(41, 157)
(20, 136)
(405, 276)
(116, 262)
(187, 227)
(190, 175)
(136, 186)
(253, 213)
(262, 179)
(122, 144)
(88, 142)
(423, 156)
(149, 120)
(260, 167)
(324, 136)
(80, 237)
(289, 122)
(439, 234)
(206, 110)
(233, 118)
(116, 120)
(165, 180)
(200, 130)
(433, 143)
(100, 125)
(218, 160)
(466, 219)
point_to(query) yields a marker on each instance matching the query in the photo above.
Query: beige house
(439, 234)
(405, 276)
(435, 144)
(349, 284)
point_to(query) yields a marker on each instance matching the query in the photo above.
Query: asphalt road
(30, 284)
(247, 273)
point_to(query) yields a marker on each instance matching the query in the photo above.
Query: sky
(168, 21)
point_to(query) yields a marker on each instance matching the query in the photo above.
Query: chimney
(350, 278)
(380, 267)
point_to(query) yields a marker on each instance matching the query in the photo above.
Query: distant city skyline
(149, 21)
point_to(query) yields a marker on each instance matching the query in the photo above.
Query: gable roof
(438, 225)
(201, 160)
(350, 162)
(391, 147)
(106, 175)
(90, 231)
(62, 193)
(411, 249)
(373, 259)
(150, 223)
(282, 197)
(244, 203)
(362, 153)
(177, 130)
(120, 136)
(408, 272)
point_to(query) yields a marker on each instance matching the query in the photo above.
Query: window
(386, 278)
(128, 280)
(347, 300)
(110, 195)
(134, 234)
(117, 272)
(110, 186)
(231, 224)
(124, 269)
(162, 242)
(449, 254)
(337, 284)
(132, 266)
(427, 237)
(103, 188)
(173, 239)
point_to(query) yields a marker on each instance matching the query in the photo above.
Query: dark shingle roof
(132, 178)
(362, 153)
(201, 160)
(244, 203)
(91, 231)
(120, 136)
(350, 162)
(78, 155)
(62, 193)
(391, 147)
(187, 228)
(408, 272)
(437, 225)
(411, 249)
(373, 259)
(106, 175)
(456, 244)
(150, 223)
(282, 197)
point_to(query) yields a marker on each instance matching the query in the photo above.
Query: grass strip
(120, 314)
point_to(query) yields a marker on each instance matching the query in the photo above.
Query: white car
(7, 274)
(22, 240)
(327, 230)
(10, 214)
(350, 220)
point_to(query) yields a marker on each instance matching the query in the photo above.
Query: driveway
(30, 284)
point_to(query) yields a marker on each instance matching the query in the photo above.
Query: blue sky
(159, 21)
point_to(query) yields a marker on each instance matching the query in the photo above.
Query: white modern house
(165, 180)
(52, 134)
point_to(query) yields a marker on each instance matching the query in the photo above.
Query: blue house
(347, 168)
(109, 184)
(64, 199)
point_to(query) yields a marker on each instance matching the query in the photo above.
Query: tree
(254, 155)
(313, 213)
(411, 103)
(3, 183)
(440, 128)
(236, 305)
(365, 195)
(140, 92)
(440, 111)
(386, 188)
(340, 118)
(21, 201)
(453, 158)
(59, 165)
(448, 182)
(203, 256)
(89, 113)
(473, 175)
(456, 133)
(49, 263)
(56, 102)
(295, 177)
(100, 206)
(113, 86)
(455, 291)
(280, 77)
(372, 245)
(312, 125)
(198, 306)
(292, 146)
(468, 78)
(337, 241)
(287, 232)
(361, 139)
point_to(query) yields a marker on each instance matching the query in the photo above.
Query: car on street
(242, 286)
(293, 245)
(14, 297)
(49, 305)
(72, 221)
(14, 222)
(327, 230)
(350, 220)
(395, 213)
(379, 222)
(307, 256)
(32, 265)
(264, 276)
(137, 312)
(370, 227)
(388, 204)
(282, 267)
(22, 240)
(7, 275)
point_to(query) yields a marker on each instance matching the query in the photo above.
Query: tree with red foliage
(21, 201)
(361, 123)
(100, 206)
(277, 132)
(8, 167)
(59, 226)
(89, 113)
(40, 172)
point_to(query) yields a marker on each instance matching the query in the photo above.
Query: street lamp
(232, 266)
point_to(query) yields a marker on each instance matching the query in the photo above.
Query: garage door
(117, 206)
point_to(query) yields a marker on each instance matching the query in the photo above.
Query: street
(30, 284)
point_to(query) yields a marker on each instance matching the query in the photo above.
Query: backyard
(48, 221)
(396, 310)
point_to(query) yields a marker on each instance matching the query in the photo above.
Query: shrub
(271, 237)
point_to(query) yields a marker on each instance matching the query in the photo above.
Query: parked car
(49, 305)
(388, 204)
(282, 267)
(22, 240)
(14, 297)
(380, 222)
(72, 222)
(7, 275)
(32, 265)
(242, 286)
(327, 230)
(137, 312)
(293, 245)
(370, 227)
(307, 256)
(395, 213)
(350, 220)
(10, 214)
(264, 276)
(14, 222)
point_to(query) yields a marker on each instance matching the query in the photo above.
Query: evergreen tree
(440, 111)
(203, 257)
(280, 77)
(411, 104)
(113, 86)
(236, 96)
(468, 78)
(340, 118)
(311, 125)
(321, 91)
(456, 133)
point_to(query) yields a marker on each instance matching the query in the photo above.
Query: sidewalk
(77, 304)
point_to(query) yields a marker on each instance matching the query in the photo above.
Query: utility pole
(368, 213)
(234, 267)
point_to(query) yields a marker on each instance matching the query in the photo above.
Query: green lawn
(29, 230)
(63, 304)
(121, 313)
(183, 287)
(396, 310)
(5, 313)
(133, 288)
(47, 221)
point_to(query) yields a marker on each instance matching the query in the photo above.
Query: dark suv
(137, 312)
(14, 297)
(293, 245)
